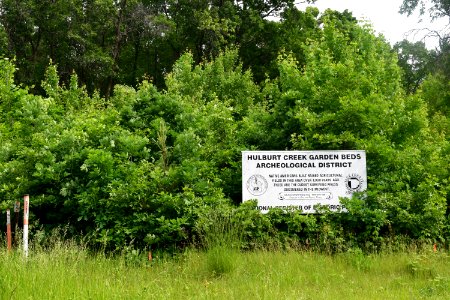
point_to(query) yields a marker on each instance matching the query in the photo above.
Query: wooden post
(8, 230)
(26, 213)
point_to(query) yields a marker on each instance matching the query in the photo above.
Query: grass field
(70, 272)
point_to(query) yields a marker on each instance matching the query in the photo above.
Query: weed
(422, 266)
(437, 286)
(221, 260)
(357, 259)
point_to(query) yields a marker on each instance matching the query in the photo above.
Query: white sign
(302, 179)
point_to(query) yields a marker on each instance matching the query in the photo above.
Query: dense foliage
(149, 166)
(108, 42)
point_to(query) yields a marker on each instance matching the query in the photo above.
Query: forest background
(125, 120)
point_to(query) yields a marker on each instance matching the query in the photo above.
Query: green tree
(440, 64)
(437, 9)
(416, 62)
(335, 101)
(143, 165)
(107, 42)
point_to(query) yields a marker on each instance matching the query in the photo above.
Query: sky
(386, 20)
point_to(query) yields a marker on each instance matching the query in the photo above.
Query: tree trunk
(116, 47)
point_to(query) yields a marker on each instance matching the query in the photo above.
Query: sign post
(26, 212)
(302, 179)
(8, 230)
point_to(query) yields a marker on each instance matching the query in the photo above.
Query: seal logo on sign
(353, 183)
(257, 185)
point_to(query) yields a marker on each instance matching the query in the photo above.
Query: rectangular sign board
(302, 179)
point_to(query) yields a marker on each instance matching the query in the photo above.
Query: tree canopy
(437, 8)
(132, 129)
(111, 42)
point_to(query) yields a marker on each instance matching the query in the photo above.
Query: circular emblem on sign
(353, 183)
(257, 185)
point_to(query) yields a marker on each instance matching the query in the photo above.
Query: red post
(8, 230)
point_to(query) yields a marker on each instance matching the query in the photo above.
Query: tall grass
(220, 236)
(68, 270)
